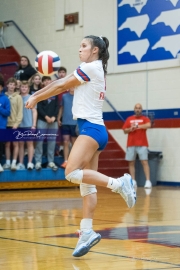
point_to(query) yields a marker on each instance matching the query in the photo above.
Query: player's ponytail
(102, 43)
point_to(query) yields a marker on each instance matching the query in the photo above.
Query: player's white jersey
(89, 96)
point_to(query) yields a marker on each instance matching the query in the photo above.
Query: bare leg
(21, 152)
(66, 141)
(15, 150)
(90, 201)
(30, 148)
(132, 168)
(8, 150)
(146, 169)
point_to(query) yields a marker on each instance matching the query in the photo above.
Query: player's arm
(55, 88)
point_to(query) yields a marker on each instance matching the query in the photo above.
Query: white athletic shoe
(13, 167)
(7, 166)
(148, 184)
(126, 190)
(1, 168)
(86, 241)
(148, 191)
(20, 166)
(134, 183)
(30, 166)
(53, 166)
(38, 166)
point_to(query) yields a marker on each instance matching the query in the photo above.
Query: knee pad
(87, 189)
(75, 176)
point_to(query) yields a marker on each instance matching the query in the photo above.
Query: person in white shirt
(89, 82)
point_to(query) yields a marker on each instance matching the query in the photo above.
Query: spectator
(47, 119)
(28, 123)
(135, 126)
(62, 72)
(35, 83)
(4, 113)
(14, 121)
(2, 79)
(25, 70)
(18, 86)
(68, 124)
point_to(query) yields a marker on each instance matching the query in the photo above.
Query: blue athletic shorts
(95, 131)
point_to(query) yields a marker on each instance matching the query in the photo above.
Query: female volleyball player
(89, 82)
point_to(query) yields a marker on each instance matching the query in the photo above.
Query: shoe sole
(85, 249)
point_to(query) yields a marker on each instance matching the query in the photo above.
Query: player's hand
(31, 103)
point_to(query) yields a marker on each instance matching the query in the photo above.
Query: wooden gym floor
(37, 230)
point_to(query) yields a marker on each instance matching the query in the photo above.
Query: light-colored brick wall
(160, 91)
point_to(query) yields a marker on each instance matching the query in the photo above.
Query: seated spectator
(4, 113)
(47, 120)
(35, 83)
(28, 123)
(14, 121)
(25, 70)
(68, 124)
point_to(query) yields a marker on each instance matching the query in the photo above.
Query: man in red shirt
(135, 126)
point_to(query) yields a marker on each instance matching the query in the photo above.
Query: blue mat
(33, 175)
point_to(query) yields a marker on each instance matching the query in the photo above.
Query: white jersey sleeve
(85, 72)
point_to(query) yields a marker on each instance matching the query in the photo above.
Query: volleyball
(47, 63)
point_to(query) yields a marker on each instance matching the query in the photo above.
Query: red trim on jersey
(83, 75)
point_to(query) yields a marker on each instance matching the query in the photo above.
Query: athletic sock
(8, 162)
(14, 161)
(112, 183)
(86, 224)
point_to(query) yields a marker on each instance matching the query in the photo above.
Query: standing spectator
(68, 124)
(62, 72)
(47, 119)
(135, 126)
(28, 123)
(18, 86)
(14, 121)
(35, 83)
(25, 70)
(4, 113)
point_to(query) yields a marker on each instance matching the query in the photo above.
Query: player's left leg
(87, 237)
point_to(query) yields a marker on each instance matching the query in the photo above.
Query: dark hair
(62, 69)
(102, 43)
(1, 83)
(23, 56)
(46, 78)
